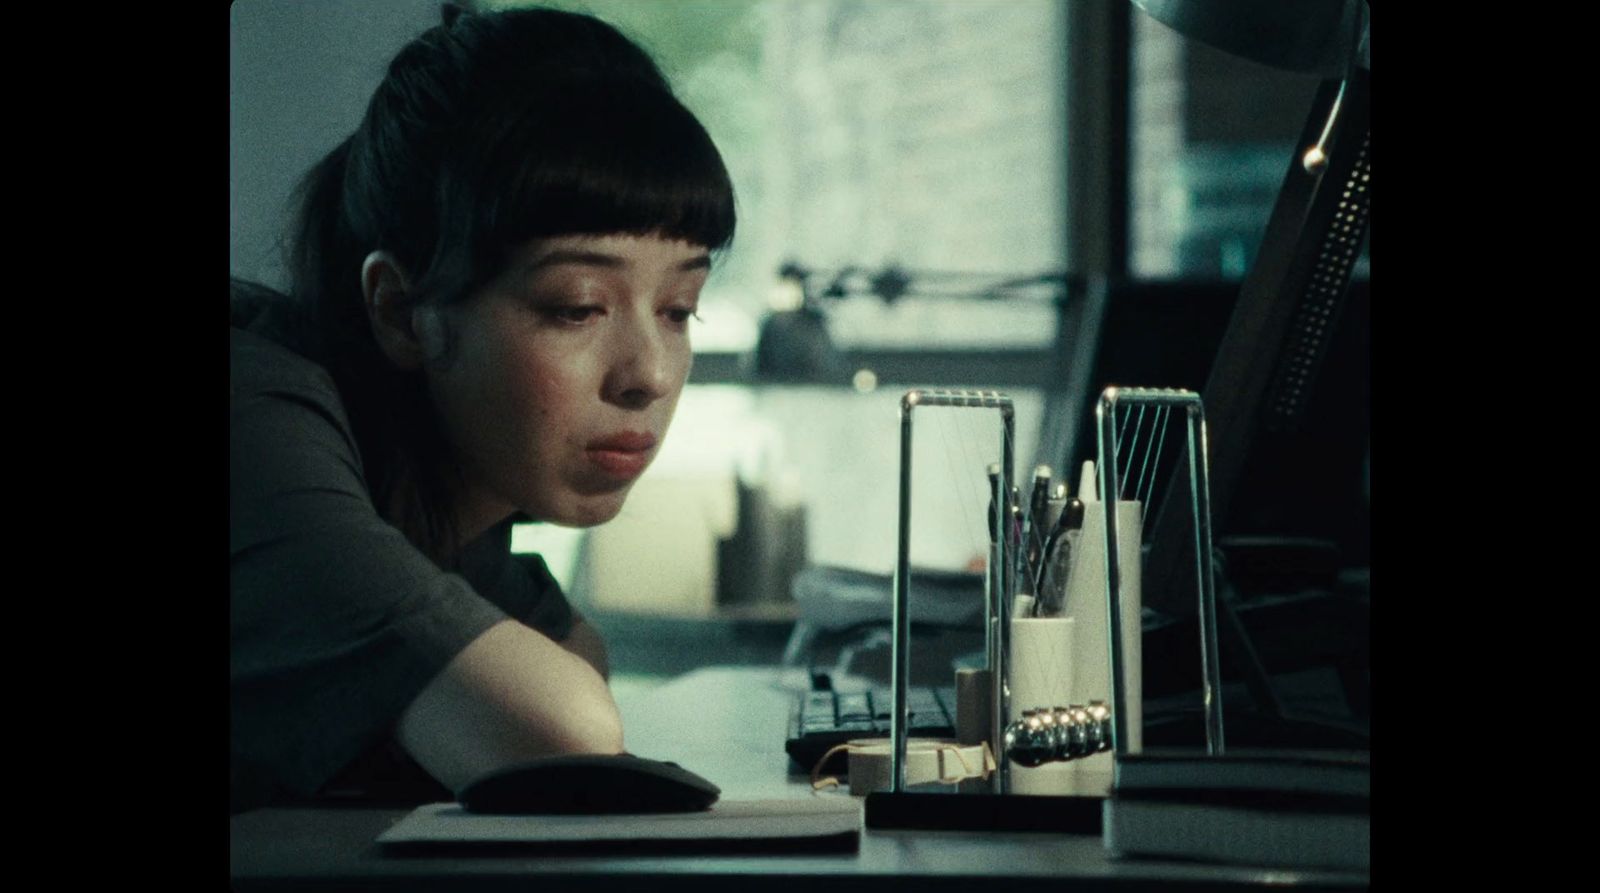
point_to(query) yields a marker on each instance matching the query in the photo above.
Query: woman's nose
(644, 367)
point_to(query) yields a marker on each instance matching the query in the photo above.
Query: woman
(493, 280)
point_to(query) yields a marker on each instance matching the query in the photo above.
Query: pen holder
(1041, 677)
(1085, 602)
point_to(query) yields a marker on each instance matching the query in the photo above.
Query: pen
(996, 568)
(1038, 520)
(1024, 607)
(1071, 515)
(1052, 515)
(1053, 597)
(1055, 514)
(1017, 557)
(994, 485)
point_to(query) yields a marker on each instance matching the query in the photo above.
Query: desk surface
(727, 724)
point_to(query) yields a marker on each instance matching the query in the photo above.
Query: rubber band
(956, 779)
(818, 784)
(939, 749)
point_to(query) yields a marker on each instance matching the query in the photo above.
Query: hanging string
(1133, 451)
(1146, 487)
(974, 533)
(1122, 437)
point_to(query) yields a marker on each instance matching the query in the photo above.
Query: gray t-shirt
(337, 621)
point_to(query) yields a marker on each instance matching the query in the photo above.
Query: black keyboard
(822, 720)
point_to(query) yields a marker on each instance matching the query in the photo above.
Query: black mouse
(588, 784)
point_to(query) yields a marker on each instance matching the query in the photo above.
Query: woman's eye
(681, 315)
(572, 315)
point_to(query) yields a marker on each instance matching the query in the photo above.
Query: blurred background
(927, 191)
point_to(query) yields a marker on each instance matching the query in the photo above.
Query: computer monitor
(1261, 384)
(1166, 333)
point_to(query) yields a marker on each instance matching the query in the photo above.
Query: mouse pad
(814, 824)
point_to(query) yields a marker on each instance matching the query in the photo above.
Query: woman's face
(564, 373)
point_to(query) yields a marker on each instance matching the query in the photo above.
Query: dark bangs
(595, 159)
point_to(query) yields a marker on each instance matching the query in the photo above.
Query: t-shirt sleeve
(337, 621)
(521, 585)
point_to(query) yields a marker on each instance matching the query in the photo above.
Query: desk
(727, 723)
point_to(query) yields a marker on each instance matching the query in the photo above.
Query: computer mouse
(590, 784)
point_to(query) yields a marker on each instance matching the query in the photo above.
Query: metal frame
(999, 583)
(1200, 505)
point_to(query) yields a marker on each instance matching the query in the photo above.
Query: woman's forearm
(510, 696)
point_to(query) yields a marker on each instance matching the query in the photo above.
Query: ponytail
(324, 264)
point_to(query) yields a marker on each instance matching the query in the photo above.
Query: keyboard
(823, 719)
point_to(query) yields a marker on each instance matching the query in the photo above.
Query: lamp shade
(1314, 36)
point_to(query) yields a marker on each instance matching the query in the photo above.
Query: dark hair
(488, 130)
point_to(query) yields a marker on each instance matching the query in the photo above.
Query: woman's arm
(513, 694)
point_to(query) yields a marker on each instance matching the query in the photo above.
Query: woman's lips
(623, 455)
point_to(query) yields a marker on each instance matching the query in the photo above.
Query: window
(919, 134)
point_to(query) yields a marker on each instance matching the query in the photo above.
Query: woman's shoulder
(285, 403)
(260, 365)
(263, 357)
